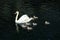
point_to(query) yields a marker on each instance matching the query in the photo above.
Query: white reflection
(29, 28)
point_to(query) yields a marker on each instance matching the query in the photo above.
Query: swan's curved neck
(16, 19)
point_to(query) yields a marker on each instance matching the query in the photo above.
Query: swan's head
(17, 12)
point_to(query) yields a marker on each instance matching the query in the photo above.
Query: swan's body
(22, 20)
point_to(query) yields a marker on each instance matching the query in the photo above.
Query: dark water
(45, 10)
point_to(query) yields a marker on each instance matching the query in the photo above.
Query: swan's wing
(23, 18)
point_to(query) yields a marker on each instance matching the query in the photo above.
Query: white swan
(23, 19)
